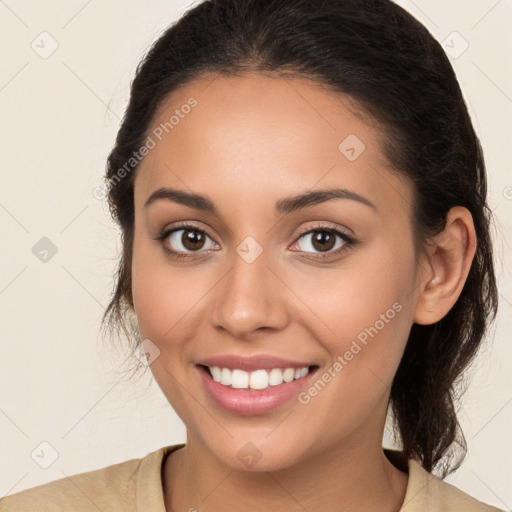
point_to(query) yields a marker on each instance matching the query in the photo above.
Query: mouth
(260, 379)
(255, 392)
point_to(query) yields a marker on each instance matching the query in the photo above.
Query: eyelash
(349, 241)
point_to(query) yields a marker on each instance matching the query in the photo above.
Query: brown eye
(192, 239)
(323, 240)
(186, 240)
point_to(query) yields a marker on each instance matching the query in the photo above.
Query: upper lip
(252, 363)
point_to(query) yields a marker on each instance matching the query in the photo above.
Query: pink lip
(250, 364)
(251, 401)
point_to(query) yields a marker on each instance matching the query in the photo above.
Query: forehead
(257, 135)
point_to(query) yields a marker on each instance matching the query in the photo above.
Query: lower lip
(251, 402)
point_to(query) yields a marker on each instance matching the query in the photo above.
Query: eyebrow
(283, 206)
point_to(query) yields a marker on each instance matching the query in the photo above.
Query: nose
(249, 299)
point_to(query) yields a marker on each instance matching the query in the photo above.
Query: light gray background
(59, 382)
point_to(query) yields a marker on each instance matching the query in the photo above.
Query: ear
(448, 264)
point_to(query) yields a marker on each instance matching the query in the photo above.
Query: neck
(352, 476)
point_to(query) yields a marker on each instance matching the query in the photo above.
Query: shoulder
(99, 489)
(426, 492)
(114, 487)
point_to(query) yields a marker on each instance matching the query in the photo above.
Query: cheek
(164, 299)
(353, 296)
(169, 301)
(161, 297)
(364, 313)
(368, 330)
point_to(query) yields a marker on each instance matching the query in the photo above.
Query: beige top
(136, 486)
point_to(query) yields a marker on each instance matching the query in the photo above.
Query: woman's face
(264, 275)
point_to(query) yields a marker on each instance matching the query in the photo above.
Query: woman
(302, 200)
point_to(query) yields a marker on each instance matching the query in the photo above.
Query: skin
(251, 141)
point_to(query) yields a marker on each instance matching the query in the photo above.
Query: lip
(253, 363)
(249, 402)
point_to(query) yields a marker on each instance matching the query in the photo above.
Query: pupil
(323, 241)
(192, 239)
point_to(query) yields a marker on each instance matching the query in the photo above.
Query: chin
(253, 453)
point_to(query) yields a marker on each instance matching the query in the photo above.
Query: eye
(185, 240)
(188, 240)
(327, 240)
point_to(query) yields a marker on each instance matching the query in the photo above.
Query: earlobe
(449, 261)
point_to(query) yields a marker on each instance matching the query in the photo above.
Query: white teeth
(225, 377)
(275, 377)
(239, 379)
(216, 373)
(289, 373)
(258, 379)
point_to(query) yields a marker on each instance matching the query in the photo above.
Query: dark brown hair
(376, 53)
